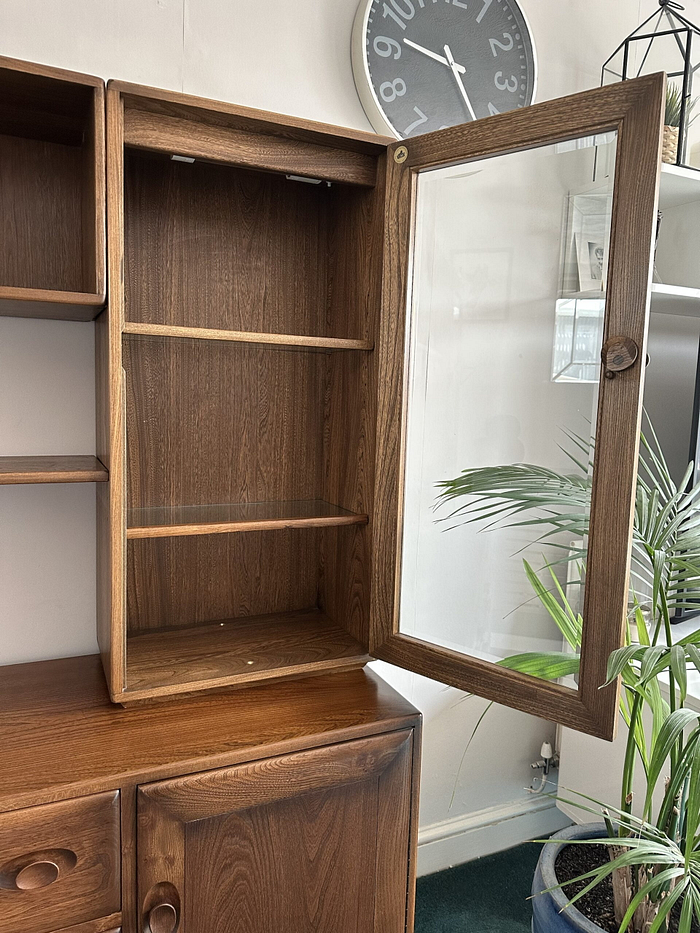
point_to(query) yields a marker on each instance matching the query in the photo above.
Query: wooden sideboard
(289, 806)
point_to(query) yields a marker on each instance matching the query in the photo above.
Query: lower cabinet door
(312, 842)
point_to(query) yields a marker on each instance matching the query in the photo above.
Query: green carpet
(484, 896)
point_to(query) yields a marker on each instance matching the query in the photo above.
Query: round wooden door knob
(162, 918)
(619, 353)
(37, 875)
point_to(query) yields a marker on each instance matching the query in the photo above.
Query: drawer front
(59, 864)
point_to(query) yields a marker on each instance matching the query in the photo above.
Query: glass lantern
(669, 42)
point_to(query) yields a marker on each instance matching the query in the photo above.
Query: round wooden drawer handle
(37, 875)
(162, 918)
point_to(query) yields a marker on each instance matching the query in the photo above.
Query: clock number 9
(390, 90)
(503, 84)
(384, 46)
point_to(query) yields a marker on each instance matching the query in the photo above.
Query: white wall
(291, 57)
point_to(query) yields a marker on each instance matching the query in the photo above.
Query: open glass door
(517, 255)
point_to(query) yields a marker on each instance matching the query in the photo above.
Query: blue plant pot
(546, 908)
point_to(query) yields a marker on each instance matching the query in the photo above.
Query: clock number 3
(505, 84)
(390, 90)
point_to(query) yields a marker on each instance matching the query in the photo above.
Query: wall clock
(423, 65)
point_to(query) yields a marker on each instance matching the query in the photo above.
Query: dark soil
(597, 905)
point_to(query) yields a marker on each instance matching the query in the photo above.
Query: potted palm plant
(644, 854)
(672, 122)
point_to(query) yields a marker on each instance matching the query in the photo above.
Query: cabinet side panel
(111, 529)
(350, 416)
(93, 202)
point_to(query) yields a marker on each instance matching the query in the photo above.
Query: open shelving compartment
(52, 197)
(245, 333)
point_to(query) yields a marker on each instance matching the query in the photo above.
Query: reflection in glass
(490, 300)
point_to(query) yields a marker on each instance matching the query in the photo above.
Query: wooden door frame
(635, 110)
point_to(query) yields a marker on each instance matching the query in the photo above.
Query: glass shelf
(164, 522)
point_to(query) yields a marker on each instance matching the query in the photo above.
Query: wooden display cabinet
(242, 391)
(290, 806)
(253, 367)
(52, 164)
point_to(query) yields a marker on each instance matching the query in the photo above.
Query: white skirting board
(473, 835)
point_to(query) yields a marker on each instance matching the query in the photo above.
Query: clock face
(424, 65)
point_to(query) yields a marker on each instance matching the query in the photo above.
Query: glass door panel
(501, 255)
(515, 300)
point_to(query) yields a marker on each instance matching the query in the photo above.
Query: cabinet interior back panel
(211, 422)
(41, 196)
(187, 581)
(221, 247)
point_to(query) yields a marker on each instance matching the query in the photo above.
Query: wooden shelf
(675, 299)
(238, 651)
(678, 186)
(48, 304)
(18, 470)
(241, 516)
(238, 336)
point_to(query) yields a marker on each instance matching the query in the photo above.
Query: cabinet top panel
(62, 737)
(47, 71)
(157, 100)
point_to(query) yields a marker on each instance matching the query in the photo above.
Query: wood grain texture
(289, 842)
(111, 423)
(40, 102)
(273, 153)
(103, 925)
(216, 793)
(303, 865)
(240, 336)
(350, 417)
(52, 197)
(40, 210)
(235, 517)
(94, 199)
(232, 276)
(127, 796)
(221, 113)
(211, 422)
(48, 304)
(237, 652)
(88, 745)
(14, 470)
(228, 576)
(84, 834)
(634, 109)
(276, 252)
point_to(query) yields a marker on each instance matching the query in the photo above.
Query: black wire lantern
(669, 42)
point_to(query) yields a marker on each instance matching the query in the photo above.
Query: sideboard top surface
(61, 737)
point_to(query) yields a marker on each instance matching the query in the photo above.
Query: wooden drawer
(59, 864)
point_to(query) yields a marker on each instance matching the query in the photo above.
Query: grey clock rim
(364, 87)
